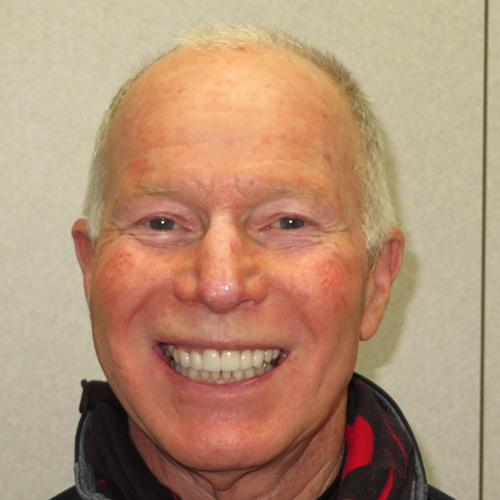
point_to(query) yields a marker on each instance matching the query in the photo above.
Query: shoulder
(69, 494)
(435, 494)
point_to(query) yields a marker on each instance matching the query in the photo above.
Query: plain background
(423, 63)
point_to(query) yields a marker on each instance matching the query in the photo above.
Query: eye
(291, 223)
(161, 224)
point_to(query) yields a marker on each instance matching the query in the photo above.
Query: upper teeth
(228, 363)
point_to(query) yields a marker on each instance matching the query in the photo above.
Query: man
(238, 245)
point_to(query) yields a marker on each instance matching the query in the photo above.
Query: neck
(302, 472)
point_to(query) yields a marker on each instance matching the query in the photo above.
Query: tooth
(258, 358)
(246, 359)
(210, 366)
(211, 360)
(184, 356)
(176, 356)
(230, 360)
(196, 361)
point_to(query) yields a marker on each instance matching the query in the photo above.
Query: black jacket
(84, 472)
(71, 494)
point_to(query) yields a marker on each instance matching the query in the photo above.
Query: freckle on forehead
(138, 164)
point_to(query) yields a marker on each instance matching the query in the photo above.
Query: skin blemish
(117, 268)
(327, 158)
(331, 280)
(138, 164)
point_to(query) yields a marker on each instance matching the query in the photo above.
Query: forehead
(193, 97)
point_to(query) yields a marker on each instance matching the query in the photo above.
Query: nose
(225, 271)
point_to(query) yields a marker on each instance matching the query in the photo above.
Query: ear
(85, 252)
(380, 278)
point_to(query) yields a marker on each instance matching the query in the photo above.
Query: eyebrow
(155, 190)
(310, 191)
(142, 190)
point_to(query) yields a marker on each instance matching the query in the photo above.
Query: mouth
(221, 367)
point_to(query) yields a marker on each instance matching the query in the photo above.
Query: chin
(205, 448)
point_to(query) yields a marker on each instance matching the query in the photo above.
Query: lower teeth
(221, 377)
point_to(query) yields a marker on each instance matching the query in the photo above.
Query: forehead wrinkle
(319, 149)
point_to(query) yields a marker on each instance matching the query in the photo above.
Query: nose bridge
(226, 269)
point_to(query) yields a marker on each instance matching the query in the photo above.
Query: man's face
(231, 223)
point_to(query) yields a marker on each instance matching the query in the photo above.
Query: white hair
(376, 207)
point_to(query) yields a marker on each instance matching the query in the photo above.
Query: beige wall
(423, 64)
(492, 268)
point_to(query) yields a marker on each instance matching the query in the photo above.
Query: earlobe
(379, 282)
(84, 248)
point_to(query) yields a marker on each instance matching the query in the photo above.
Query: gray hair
(376, 207)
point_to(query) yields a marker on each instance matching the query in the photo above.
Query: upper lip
(219, 345)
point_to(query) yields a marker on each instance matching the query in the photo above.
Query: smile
(213, 366)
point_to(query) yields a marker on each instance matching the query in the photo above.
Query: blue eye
(161, 224)
(291, 223)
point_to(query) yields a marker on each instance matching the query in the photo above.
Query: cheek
(122, 281)
(328, 303)
(113, 273)
(332, 285)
